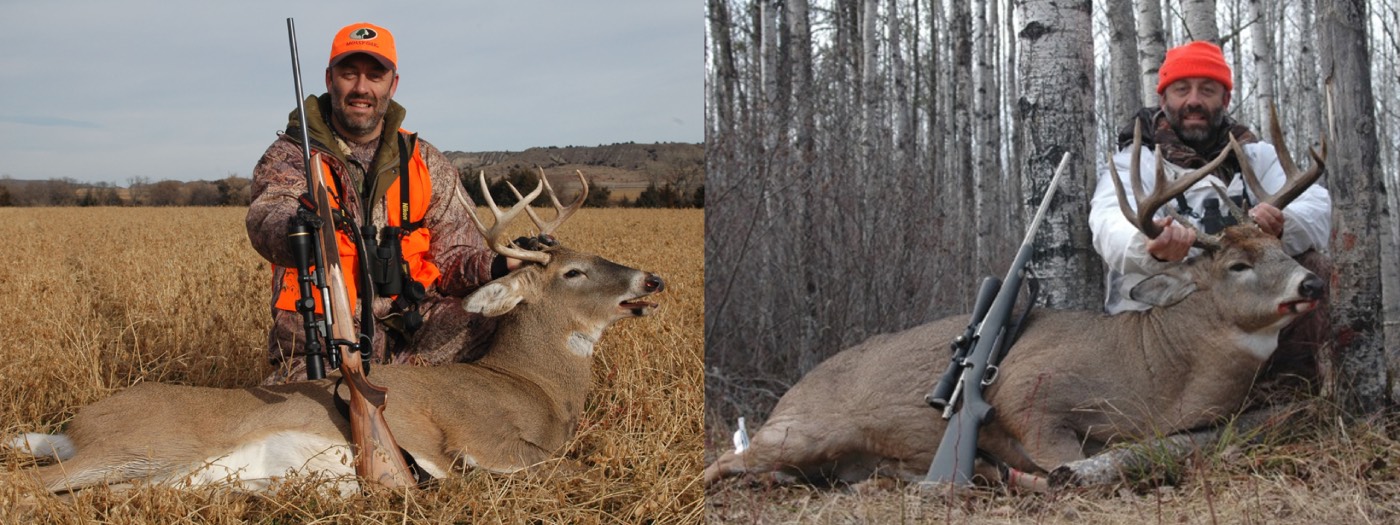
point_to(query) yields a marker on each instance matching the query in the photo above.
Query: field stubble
(94, 300)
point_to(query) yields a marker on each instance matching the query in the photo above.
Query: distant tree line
(671, 187)
(229, 191)
(680, 191)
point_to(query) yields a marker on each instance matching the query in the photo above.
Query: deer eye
(573, 273)
(1240, 267)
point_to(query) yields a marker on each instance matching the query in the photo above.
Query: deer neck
(536, 345)
(1217, 358)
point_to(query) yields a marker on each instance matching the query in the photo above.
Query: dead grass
(95, 300)
(1316, 470)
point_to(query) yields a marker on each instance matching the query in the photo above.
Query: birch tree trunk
(774, 101)
(1309, 100)
(1124, 72)
(1387, 29)
(1152, 47)
(803, 91)
(1200, 20)
(936, 122)
(903, 117)
(1015, 226)
(725, 80)
(962, 225)
(1056, 107)
(1261, 30)
(1356, 291)
(869, 78)
(986, 170)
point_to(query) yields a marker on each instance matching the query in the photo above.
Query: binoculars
(1212, 221)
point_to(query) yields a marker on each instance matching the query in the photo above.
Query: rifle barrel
(301, 101)
(958, 449)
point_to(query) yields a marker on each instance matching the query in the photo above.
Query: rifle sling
(1013, 331)
(421, 476)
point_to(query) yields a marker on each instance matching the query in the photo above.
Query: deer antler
(495, 236)
(561, 213)
(1294, 184)
(1162, 192)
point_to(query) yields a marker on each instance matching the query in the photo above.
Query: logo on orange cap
(367, 38)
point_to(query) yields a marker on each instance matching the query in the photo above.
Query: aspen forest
(869, 161)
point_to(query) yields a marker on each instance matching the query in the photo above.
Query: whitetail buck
(1075, 381)
(513, 408)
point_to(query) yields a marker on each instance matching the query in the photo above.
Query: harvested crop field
(97, 299)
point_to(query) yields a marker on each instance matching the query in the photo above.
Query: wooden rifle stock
(377, 456)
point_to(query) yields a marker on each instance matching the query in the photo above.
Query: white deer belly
(255, 465)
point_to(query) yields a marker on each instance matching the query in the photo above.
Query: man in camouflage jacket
(356, 126)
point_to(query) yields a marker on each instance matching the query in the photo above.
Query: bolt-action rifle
(956, 452)
(312, 236)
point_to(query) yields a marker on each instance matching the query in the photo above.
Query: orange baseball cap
(367, 38)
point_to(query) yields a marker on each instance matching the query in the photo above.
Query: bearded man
(1191, 127)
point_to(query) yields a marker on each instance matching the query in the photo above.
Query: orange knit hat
(1197, 59)
(367, 38)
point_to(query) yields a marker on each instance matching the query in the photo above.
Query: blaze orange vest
(414, 244)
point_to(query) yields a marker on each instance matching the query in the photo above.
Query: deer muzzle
(1311, 289)
(635, 306)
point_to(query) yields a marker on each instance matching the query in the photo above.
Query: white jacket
(1307, 220)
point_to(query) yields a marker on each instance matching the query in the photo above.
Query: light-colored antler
(1295, 184)
(562, 213)
(1162, 191)
(495, 235)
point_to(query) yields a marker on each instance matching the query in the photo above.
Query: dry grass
(95, 300)
(1316, 469)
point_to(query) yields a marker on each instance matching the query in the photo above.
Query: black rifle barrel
(958, 450)
(301, 103)
(314, 349)
(306, 161)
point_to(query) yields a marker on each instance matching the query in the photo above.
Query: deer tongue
(1297, 307)
(638, 307)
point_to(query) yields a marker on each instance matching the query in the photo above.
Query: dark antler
(1162, 191)
(1295, 183)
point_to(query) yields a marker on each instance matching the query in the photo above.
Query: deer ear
(495, 298)
(1163, 289)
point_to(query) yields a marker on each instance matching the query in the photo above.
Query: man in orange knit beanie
(1190, 128)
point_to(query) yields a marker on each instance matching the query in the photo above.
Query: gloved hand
(536, 243)
(502, 265)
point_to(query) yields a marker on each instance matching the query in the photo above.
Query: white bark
(1200, 20)
(1152, 47)
(1057, 109)
(1125, 76)
(986, 169)
(1262, 55)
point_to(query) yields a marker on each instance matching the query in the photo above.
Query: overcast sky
(108, 91)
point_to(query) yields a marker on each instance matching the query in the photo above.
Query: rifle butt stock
(377, 456)
(957, 451)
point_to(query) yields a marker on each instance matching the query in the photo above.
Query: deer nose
(1311, 287)
(653, 283)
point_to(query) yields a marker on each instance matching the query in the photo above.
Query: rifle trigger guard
(991, 376)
